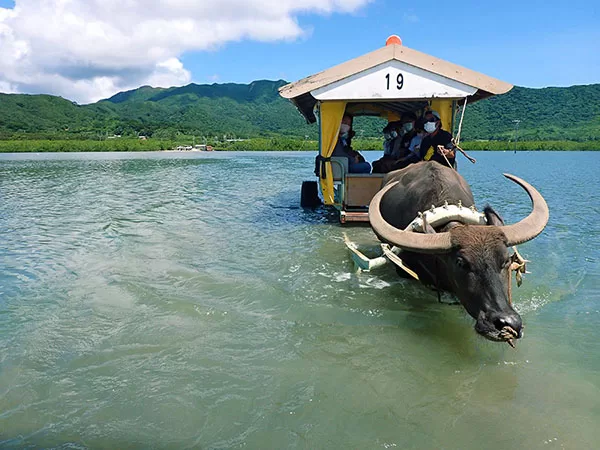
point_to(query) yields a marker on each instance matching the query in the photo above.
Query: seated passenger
(415, 142)
(390, 134)
(408, 132)
(437, 143)
(399, 156)
(356, 162)
(412, 155)
(391, 147)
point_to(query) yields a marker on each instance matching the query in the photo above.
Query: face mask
(430, 127)
(408, 127)
(344, 128)
(387, 137)
(394, 134)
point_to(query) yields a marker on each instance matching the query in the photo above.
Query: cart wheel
(309, 196)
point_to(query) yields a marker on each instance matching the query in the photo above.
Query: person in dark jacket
(356, 162)
(437, 143)
(413, 154)
(408, 131)
(398, 149)
(391, 148)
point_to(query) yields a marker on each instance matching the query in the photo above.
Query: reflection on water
(186, 301)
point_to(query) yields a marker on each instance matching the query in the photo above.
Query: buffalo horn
(532, 225)
(406, 240)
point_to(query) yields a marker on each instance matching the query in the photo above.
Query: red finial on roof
(393, 39)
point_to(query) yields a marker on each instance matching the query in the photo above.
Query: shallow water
(164, 300)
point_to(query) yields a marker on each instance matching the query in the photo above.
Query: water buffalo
(470, 261)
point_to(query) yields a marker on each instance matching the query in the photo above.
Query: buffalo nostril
(510, 320)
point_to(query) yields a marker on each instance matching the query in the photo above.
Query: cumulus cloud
(85, 50)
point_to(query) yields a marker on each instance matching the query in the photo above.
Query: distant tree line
(261, 144)
(218, 113)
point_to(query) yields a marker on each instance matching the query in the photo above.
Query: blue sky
(528, 43)
(84, 51)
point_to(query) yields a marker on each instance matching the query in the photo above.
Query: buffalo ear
(493, 218)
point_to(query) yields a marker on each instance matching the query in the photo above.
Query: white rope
(447, 162)
(462, 116)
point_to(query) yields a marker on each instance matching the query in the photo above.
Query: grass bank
(261, 144)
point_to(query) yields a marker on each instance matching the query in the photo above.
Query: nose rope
(518, 264)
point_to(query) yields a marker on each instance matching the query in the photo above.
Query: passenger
(391, 146)
(399, 156)
(413, 155)
(390, 134)
(437, 143)
(415, 143)
(408, 132)
(356, 162)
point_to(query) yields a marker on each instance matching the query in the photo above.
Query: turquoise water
(163, 300)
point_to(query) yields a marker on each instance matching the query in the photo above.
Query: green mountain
(256, 109)
(553, 113)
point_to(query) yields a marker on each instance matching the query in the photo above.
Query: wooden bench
(361, 188)
(353, 190)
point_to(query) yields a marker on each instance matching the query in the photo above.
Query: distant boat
(194, 148)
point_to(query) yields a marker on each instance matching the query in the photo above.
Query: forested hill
(571, 113)
(256, 109)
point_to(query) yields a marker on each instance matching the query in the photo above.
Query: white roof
(393, 73)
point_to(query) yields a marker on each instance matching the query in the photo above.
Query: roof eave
(337, 73)
(491, 86)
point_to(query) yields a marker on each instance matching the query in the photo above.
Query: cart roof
(394, 75)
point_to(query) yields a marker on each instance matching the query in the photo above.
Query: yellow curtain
(332, 113)
(444, 107)
(393, 116)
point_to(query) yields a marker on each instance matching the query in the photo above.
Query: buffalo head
(471, 261)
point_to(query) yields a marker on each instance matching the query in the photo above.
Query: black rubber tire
(309, 196)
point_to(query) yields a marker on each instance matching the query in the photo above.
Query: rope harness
(519, 265)
(462, 116)
(456, 140)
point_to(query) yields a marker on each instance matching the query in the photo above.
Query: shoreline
(263, 144)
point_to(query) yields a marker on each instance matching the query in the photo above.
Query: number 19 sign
(399, 82)
(393, 80)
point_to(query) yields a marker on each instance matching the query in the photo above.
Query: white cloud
(85, 50)
(410, 17)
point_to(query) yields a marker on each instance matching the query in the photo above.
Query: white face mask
(344, 128)
(430, 127)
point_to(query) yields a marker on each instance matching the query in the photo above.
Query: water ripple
(186, 301)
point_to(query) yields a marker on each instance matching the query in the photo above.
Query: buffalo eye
(462, 263)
